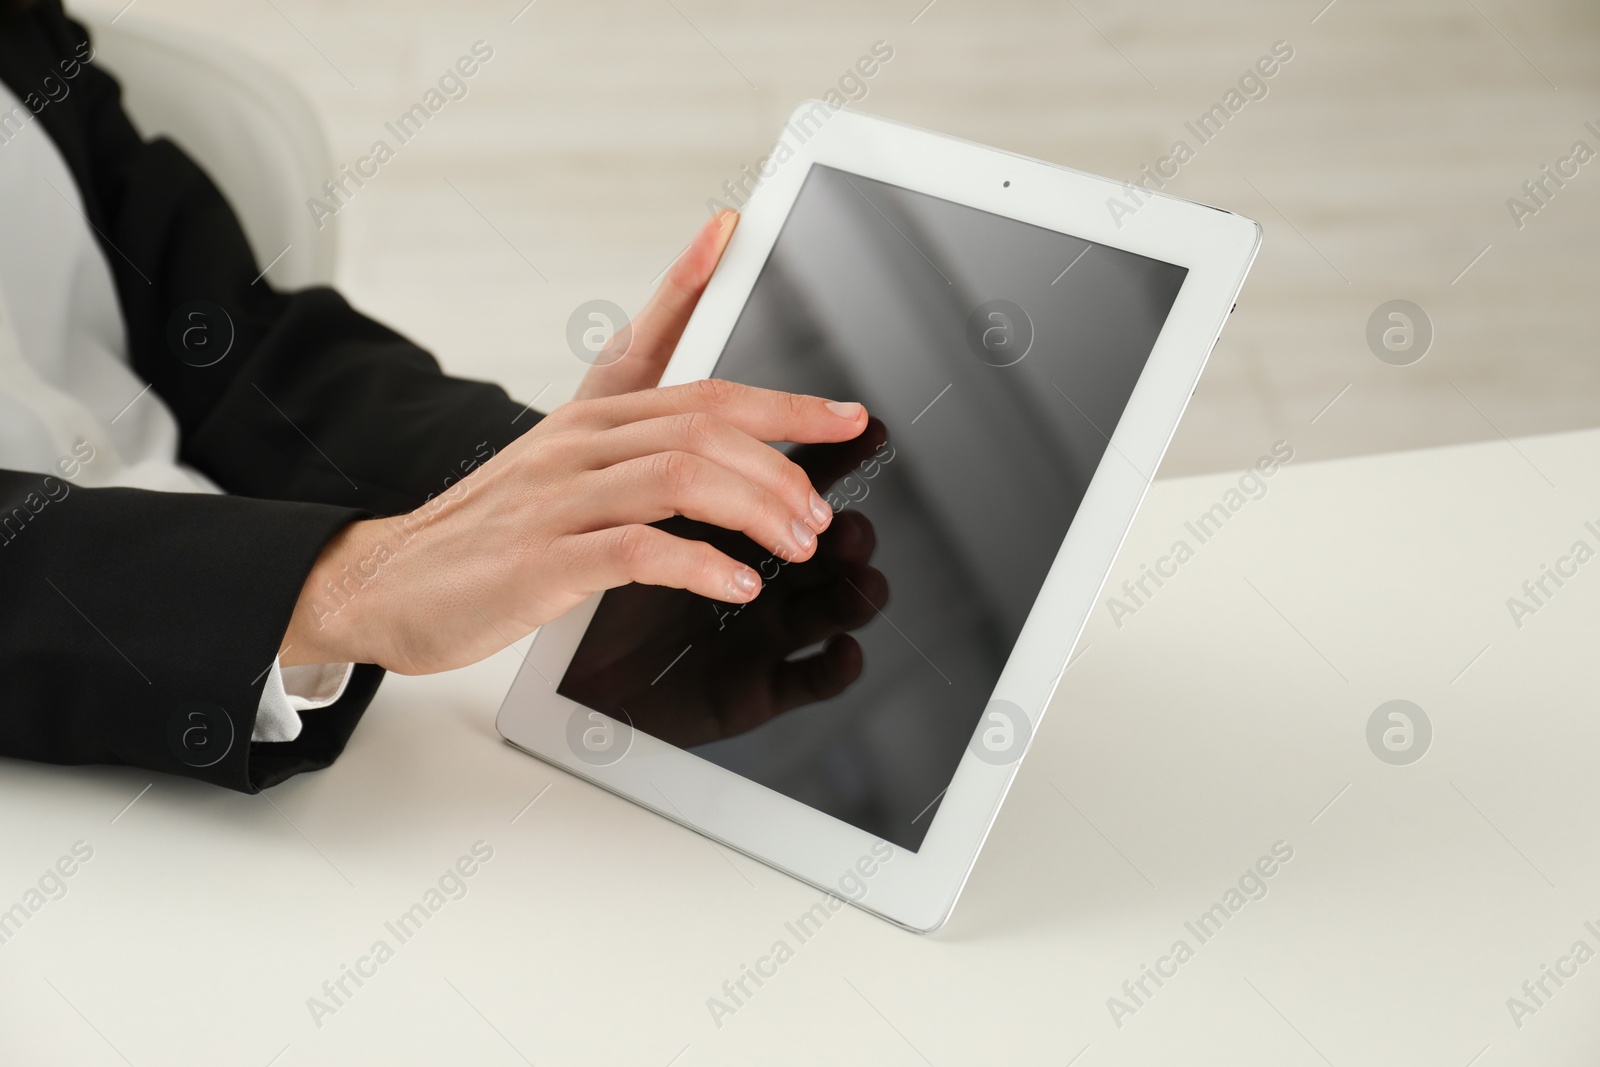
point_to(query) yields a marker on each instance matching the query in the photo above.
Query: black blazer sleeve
(130, 617)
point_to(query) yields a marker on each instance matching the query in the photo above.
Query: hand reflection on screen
(690, 670)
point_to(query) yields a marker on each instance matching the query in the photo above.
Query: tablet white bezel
(918, 890)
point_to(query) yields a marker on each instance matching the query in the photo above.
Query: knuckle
(696, 426)
(560, 418)
(716, 390)
(559, 447)
(526, 551)
(676, 471)
(709, 563)
(778, 511)
(630, 545)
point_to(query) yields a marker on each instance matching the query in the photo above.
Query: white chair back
(245, 123)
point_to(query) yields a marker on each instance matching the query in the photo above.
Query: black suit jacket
(124, 612)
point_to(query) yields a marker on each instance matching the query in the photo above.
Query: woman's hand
(692, 672)
(563, 513)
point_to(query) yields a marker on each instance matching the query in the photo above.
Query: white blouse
(67, 392)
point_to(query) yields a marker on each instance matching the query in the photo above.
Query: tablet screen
(995, 357)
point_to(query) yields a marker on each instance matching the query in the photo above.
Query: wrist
(327, 623)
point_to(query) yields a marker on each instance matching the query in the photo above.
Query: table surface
(1227, 714)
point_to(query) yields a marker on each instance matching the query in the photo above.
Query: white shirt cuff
(291, 690)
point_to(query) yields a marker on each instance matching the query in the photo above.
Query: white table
(1229, 713)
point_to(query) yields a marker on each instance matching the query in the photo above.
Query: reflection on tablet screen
(995, 358)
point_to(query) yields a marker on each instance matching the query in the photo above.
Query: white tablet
(1025, 338)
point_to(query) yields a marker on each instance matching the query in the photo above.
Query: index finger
(765, 414)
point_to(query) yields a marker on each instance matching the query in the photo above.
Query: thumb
(660, 323)
(654, 332)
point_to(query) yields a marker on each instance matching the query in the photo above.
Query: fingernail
(844, 411)
(803, 537)
(820, 511)
(745, 583)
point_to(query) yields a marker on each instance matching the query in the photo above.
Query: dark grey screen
(995, 357)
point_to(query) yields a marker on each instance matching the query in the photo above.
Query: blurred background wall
(1381, 161)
